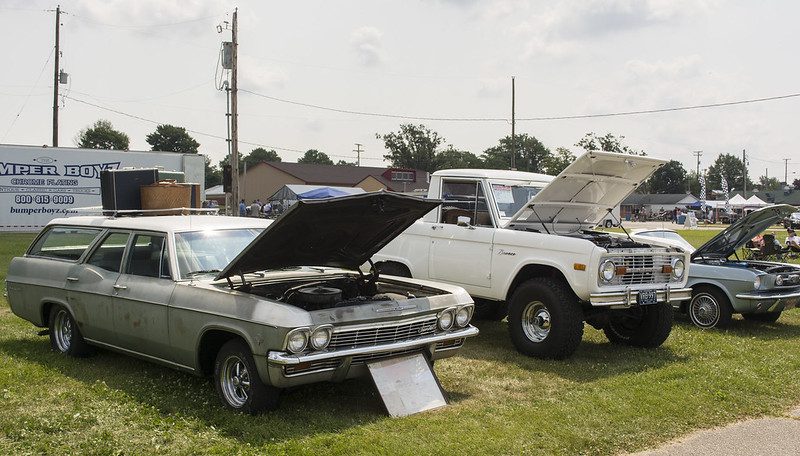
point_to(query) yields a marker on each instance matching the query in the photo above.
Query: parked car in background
(792, 221)
(259, 305)
(723, 284)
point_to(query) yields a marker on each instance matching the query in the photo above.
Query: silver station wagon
(258, 305)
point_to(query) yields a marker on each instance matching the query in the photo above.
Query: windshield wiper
(202, 271)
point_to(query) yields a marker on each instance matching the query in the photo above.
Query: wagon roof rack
(98, 210)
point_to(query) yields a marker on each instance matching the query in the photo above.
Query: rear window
(66, 243)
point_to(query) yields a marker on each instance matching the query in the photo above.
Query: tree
(345, 163)
(453, 158)
(766, 184)
(169, 138)
(670, 178)
(315, 156)
(102, 135)
(258, 155)
(414, 146)
(607, 143)
(796, 184)
(530, 154)
(731, 167)
(213, 174)
(557, 162)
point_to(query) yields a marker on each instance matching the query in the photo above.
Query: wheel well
(702, 286)
(209, 346)
(395, 264)
(530, 271)
(46, 313)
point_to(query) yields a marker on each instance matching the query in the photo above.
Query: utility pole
(785, 171)
(234, 114)
(55, 78)
(698, 154)
(357, 150)
(744, 179)
(513, 125)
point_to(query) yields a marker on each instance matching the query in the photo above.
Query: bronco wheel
(768, 317)
(237, 381)
(65, 337)
(709, 308)
(544, 319)
(647, 326)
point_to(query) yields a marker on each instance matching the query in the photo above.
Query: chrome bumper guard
(770, 296)
(288, 359)
(627, 298)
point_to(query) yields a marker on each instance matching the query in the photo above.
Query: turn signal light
(666, 269)
(620, 270)
(579, 266)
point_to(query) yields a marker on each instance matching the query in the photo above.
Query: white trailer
(38, 184)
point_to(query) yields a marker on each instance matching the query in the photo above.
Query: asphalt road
(763, 436)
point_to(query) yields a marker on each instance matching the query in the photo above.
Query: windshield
(670, 236)
(511, 197)
(208, 252)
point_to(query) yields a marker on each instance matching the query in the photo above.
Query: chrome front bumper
(768, 296)
(627, 298)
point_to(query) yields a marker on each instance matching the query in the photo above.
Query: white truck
(523, 244)
(38, 184)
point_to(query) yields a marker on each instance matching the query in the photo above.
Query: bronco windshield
(510, 197)
(209, 251)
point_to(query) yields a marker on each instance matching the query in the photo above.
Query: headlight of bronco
(607, 269)
(678, 268)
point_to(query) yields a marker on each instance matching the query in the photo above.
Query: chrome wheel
(536, 321)
(62, 331)
(704, 310)
(235, 381)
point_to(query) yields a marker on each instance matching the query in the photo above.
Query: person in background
(255, 209)
(267, 209)
(792, 241)
(242, 208)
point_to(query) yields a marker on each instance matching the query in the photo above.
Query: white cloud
(366, 42)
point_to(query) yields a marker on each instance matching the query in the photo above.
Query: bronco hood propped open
(727, 241)
(587, 189)
(338, 232)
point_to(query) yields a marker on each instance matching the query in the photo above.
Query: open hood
(744, 229)
(339, 232)
(587, 190)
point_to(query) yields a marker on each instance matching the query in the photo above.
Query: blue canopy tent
(322, 192)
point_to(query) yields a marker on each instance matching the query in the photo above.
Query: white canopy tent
(738, 201)
(755, 201)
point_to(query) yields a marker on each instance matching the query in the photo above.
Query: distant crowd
(259, 209)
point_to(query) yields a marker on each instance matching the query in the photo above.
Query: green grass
(605, 399)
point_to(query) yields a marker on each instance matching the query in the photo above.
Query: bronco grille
(365, 337)
(642, 269)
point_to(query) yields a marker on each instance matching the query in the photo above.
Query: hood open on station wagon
(339, 232)
(727, 241)
(588, 189)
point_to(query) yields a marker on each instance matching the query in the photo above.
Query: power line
(33, 87)
(500, 119)
(143, 26)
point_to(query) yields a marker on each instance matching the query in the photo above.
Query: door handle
(72, 279)
(120, 287)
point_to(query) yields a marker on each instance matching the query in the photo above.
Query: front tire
(544, 319)
(768, 317)
(646, 327)
(65, 336)
(237, 381)
(709, 308)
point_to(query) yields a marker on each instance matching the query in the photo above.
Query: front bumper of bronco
(628, 298)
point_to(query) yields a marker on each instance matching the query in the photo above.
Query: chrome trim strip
(282, 358)
(627, 298)
(139, 354)
(387, 323)
(758, 297)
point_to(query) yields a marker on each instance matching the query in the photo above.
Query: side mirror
(463, 221)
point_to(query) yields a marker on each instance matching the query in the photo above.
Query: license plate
(646, 297)
(407, 385)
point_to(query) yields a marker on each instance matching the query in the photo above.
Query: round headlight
(297, 340)
(678, 268)
(779, 281)
(320, 337)
(462, 316)
(607, 269)
(446, 320)
(757, 282)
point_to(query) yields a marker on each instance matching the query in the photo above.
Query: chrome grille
(326, 364)
(642, 269)
(386, 334)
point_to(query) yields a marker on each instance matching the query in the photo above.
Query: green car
(259, 305)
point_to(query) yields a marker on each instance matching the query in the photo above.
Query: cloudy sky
(156, 61)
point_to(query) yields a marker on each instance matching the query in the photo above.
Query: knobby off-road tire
(237, 381)
(490, 310)
(646, 326)
(65, 336)
(768, 317)
(709, 308)
(544, 319)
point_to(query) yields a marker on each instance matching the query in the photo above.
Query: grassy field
(604, 400)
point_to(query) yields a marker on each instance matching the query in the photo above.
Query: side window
(66, 243)
(148, 256)
(464, 199)
(108, 254)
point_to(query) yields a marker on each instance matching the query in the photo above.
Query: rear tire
(65, 336)
(646, 327)
(768, 317)
(545, 319)
(237, 381)
(709, 308)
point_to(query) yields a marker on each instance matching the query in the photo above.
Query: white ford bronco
(524, 244)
